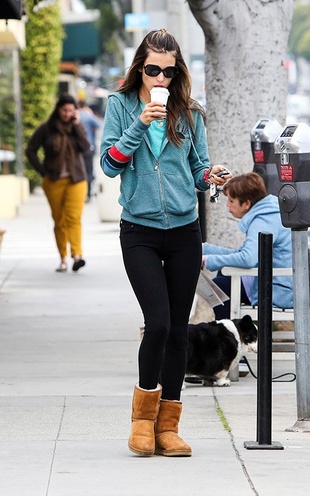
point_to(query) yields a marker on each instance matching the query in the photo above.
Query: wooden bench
(238, 310)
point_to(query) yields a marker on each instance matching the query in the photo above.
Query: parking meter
(292, 154)
(263, 136)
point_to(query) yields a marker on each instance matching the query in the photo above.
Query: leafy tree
(7, 124)
(299, 40)
(111, 27)
(40, 67)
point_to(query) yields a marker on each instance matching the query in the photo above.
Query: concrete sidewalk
(68, 347)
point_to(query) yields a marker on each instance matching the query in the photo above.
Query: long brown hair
(180, 102)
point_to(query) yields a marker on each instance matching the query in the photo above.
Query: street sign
(136, 22)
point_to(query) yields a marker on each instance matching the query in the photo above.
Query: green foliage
(40, 65)
(7, 105)
(34, 178)
(223, 419)
(111, 26)
(299, 41)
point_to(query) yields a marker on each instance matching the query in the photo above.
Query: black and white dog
(216, 347)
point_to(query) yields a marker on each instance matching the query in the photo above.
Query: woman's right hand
(153, 111)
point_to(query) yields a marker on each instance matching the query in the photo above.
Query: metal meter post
(292, 152)
(263, 136)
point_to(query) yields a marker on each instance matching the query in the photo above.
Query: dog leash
(198, 380)
(274, 379)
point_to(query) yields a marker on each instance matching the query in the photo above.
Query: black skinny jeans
(163, 268)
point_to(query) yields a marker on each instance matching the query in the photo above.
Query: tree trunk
(246, 79)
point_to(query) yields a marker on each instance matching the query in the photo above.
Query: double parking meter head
(263, 136)
(292, 154)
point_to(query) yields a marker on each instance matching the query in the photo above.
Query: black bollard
(264, 358)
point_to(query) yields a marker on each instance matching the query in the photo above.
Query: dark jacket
(49, 167)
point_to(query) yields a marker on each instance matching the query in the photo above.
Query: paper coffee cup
(159, 94)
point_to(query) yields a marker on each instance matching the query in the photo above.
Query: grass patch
(223, 419)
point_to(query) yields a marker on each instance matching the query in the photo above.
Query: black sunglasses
(154, 70)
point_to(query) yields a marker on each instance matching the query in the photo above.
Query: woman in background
(64, 179)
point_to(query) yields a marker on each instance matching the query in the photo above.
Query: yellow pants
(67, 201)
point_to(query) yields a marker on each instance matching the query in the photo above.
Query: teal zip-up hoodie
(158, 193)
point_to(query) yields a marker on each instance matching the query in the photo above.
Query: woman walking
(161, 154)
(63, 139)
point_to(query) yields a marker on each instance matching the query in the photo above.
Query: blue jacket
(264, 216)
(154, 192)
(91, 123)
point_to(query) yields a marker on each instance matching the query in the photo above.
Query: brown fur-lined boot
(168, 442)
(145, 406)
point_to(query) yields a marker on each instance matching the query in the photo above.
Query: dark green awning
(81, 42)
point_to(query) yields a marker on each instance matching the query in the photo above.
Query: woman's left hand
(76, 119)
(216, 177)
